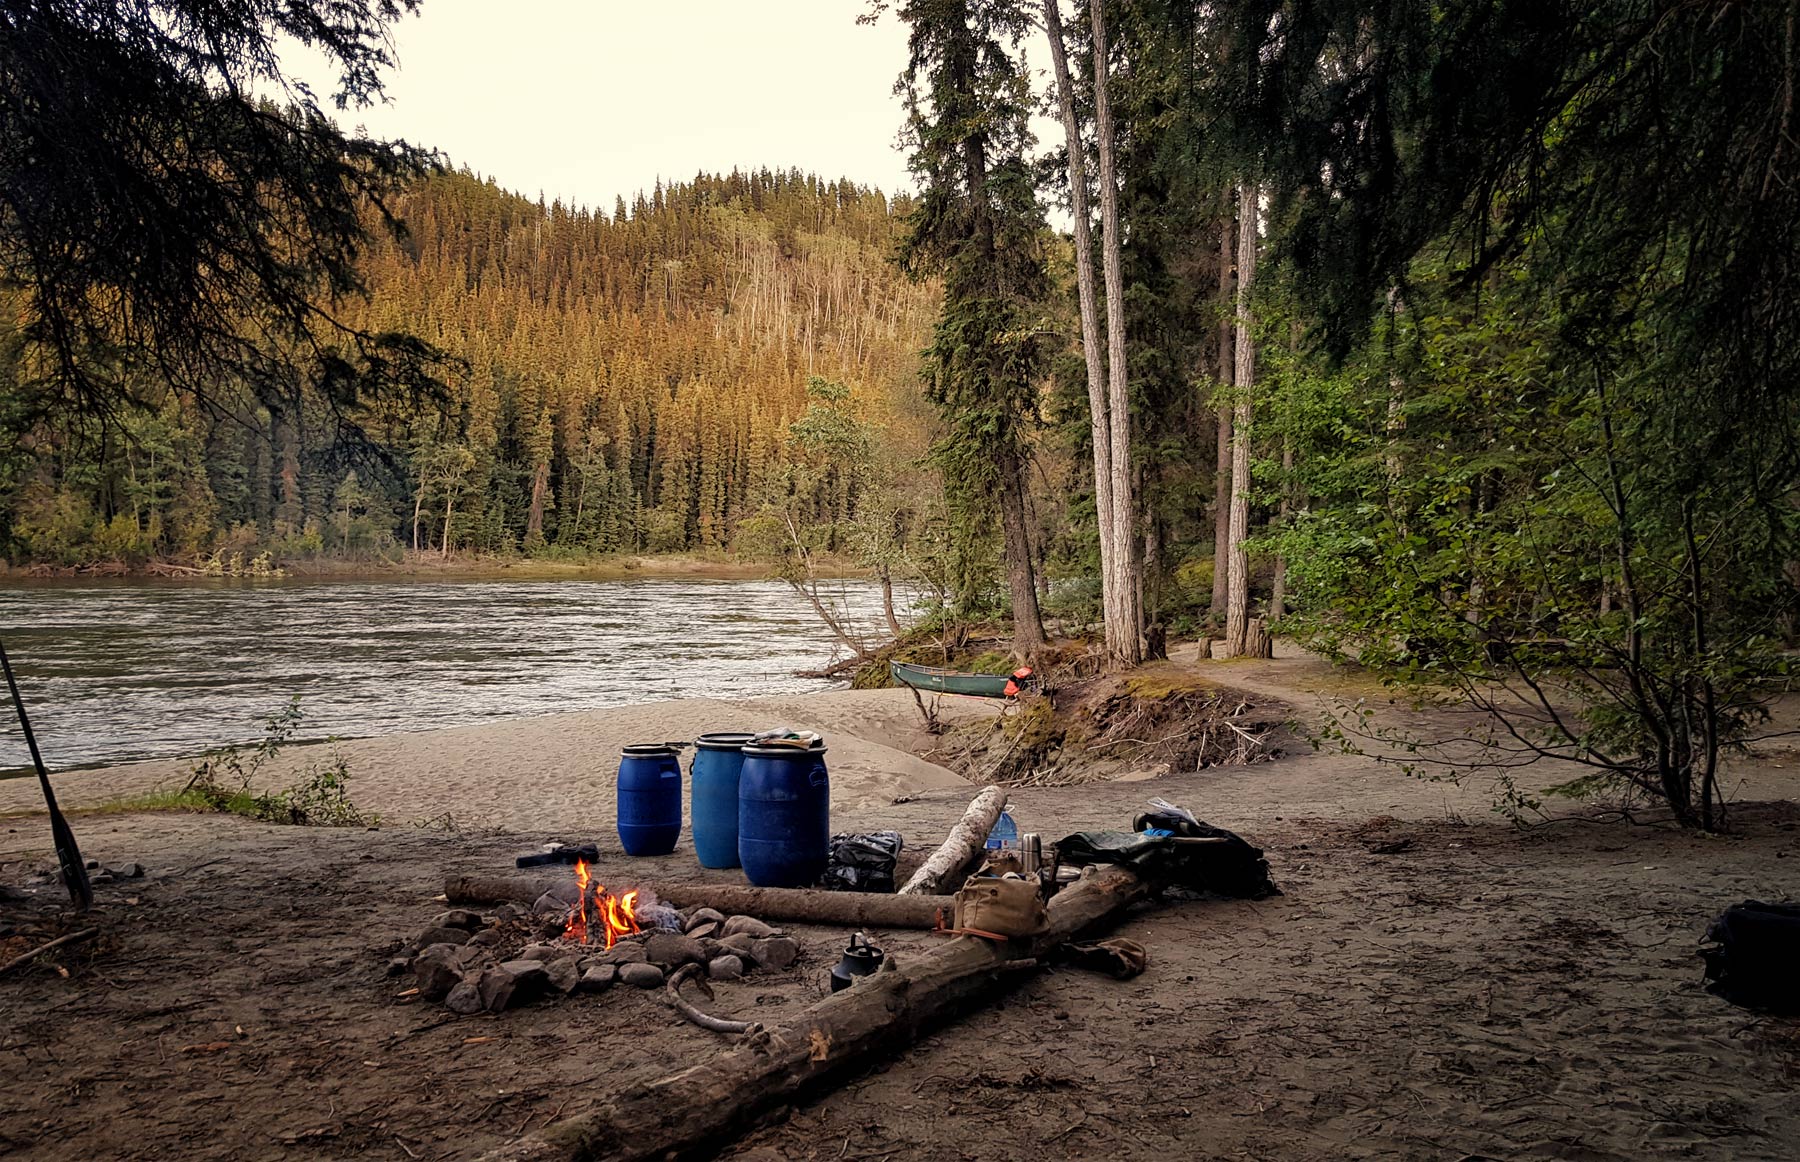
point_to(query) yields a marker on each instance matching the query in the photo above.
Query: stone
(776, 952)
(644, 976)
(512, 983)
(441, 936)
(487, 938)
(747, 926)
(672, 950)
(551, 903)
(438, 969)
(465, 998)
(399, 965)
(460, 918)
(624, 952)
(597, 979)
(506, 913)
(101, 878)
(712, 948)
(740, 943)
(651, 916)
(564, 973)
(543, 951)
(701, 916)
(725, 968)
(703, 930)
(127, 871)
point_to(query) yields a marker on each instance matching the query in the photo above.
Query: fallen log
(949, 863)
(688, 1113)
(790, 905)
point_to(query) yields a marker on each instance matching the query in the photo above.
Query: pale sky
(588, 99)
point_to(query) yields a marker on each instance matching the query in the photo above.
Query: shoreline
(427, 567)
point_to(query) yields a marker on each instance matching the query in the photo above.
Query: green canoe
(957, 682)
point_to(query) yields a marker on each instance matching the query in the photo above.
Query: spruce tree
(978, 227)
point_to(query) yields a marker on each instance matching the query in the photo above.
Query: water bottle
(1005, 834)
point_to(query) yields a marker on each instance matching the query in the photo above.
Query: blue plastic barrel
(718, 761)
(784, 816)
(649, 799)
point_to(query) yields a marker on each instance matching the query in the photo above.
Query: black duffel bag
(1752, 954)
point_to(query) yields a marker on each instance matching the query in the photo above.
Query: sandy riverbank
(556, 771)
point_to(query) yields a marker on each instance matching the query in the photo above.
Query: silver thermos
(1031, 852)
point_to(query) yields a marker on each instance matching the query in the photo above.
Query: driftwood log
(687, 1113)
(791, 905)
(948, 864)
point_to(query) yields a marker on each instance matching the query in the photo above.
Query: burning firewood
(615, 916)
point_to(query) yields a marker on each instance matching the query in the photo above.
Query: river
(141, 669)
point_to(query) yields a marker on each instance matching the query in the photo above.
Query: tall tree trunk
(1125, 643)
(1278, 598)
(540, 487)
(887, 602)
(1100, 425)
(1028, 622)
(1237, 593)
(449, 507)
(1222, 465)
(418, 509)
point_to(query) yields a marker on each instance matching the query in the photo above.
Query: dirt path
(1477, 992)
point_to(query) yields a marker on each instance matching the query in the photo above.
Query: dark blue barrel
(649, 799)
(718, 761)
(784, 816)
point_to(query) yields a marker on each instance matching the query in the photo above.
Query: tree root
(705, 1021)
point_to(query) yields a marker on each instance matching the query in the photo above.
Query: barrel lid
(649, 749)
(724, 740)
(777, 751)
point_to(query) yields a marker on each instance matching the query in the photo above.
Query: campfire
(580, 938)
(598, 915)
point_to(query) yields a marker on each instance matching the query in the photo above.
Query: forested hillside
(619, 382)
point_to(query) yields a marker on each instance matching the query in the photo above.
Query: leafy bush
(320, 798)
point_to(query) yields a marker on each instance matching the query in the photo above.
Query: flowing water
(134, 670)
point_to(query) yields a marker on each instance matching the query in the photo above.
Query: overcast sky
(588, 99)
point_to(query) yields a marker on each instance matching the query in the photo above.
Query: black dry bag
(1752, 954)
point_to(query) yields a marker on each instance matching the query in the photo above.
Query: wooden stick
(60, 941)
(704, 1020)
(687, 1112)
(794, 905)
(964, 846)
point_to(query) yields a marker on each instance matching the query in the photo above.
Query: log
(688, 1113)
(967, 840)
(792, 905)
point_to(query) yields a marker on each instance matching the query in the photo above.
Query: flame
(617, 914)
(577, 927)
